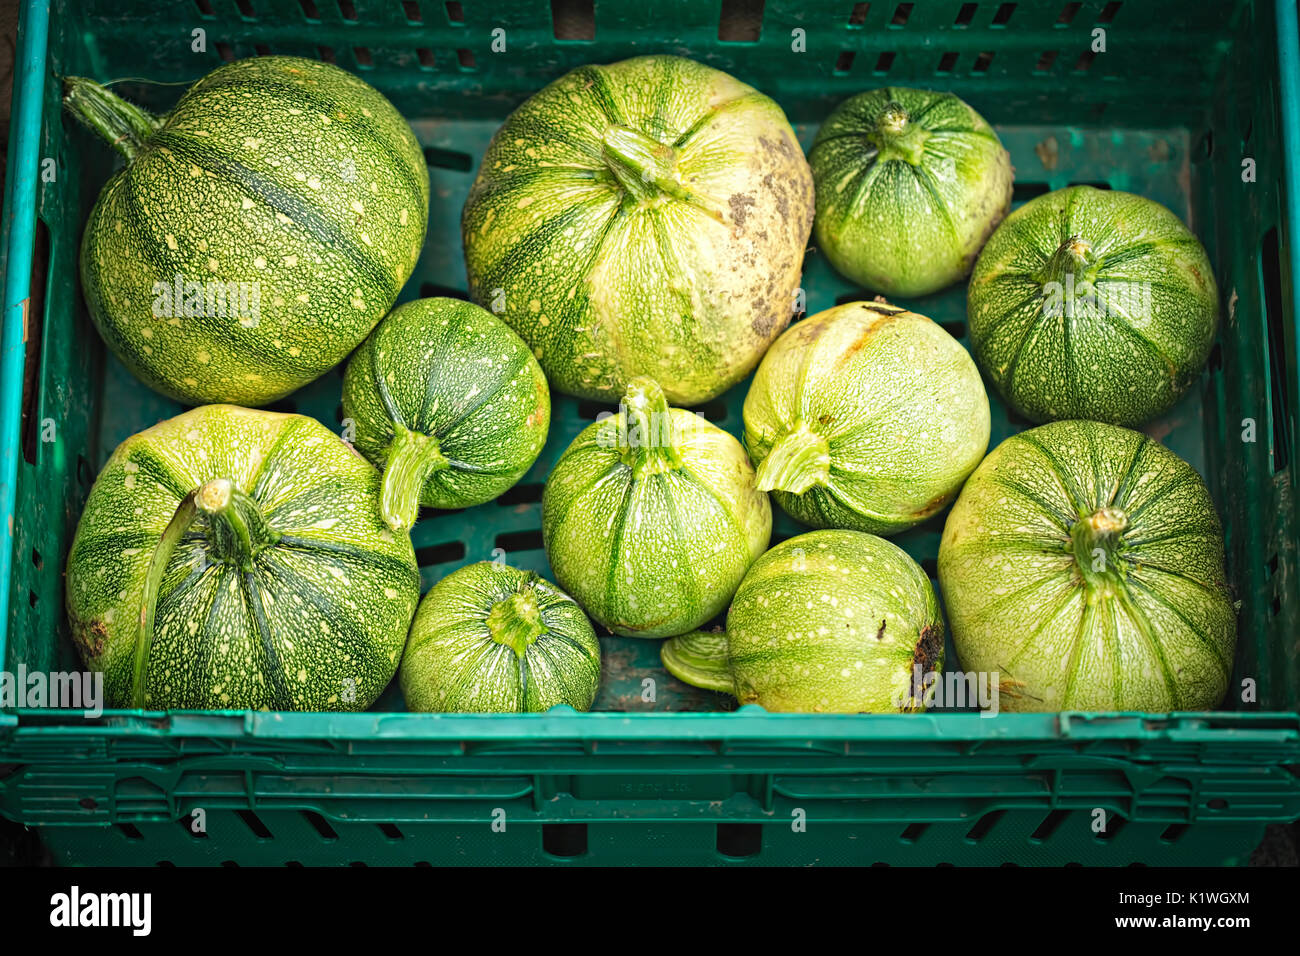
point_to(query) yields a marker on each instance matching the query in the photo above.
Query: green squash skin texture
(453, 664)
(834, 622)
(685, 275)
(324, 211)
(1093, 359)
(905, 213)
(896, 404)
(1146, 625)
(659, 552)
(337, 590)
(453, 371)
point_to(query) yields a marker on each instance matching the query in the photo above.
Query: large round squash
(909, 185)
(449, 403)
(828, 622)
(232, 559)
(651, 518)
(1083, 563)
(492, 638)
(865, 416)
(258, 231)
(1091, 303)
(643, 218)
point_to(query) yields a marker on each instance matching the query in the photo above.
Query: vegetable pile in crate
(640, 225)
(635, 239)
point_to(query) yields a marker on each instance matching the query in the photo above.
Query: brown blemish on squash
(880, 633)
(90, 638)
(740, 205)
(928, 648)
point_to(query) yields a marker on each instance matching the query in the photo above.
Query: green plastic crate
(1180, 97)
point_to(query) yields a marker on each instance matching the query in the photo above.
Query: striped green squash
(231, 559)
(1083, 564)
(258, 231)
(909, 185)
(648, 217)
(1091, 303)
(828, 622)
(449, 403)
(865, 416)
(651, 518)
(492, 638)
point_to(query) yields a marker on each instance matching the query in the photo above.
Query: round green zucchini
(648, 217)
(650, 518)
(865, 416)
(449, 403)
(909, 185)
(492, 638)
(235, 559)
(827, 622)
(258, 231)
(1083, 564)
(1092, 303)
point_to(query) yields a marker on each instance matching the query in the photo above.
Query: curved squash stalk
(647, 444)
(124, 125)
(411, 459)
(799, 460)
(700, 658)
(237, 535)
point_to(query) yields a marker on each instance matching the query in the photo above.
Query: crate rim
(748, 723)
(17, 235)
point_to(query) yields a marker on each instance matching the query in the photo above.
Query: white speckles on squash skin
(317, 489)
(209, 219)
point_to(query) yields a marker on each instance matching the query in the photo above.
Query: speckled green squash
(909, 185)
(1083, 563)
(828, 622)
(1091, 303)
(865, 416)
(231, 559)
(643, 218)
(492, 638)
(651, 518)
(258, 232)
(449, 403)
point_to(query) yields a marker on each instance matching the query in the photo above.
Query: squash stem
(124, 125)
(1071, 265)
(646, 439)
(516, 622)
(897, 137)
(162, 556)
(700, 658)
(799, 459)
(237, 529)
(411, 459)
(647, 169)
(1096, 541)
